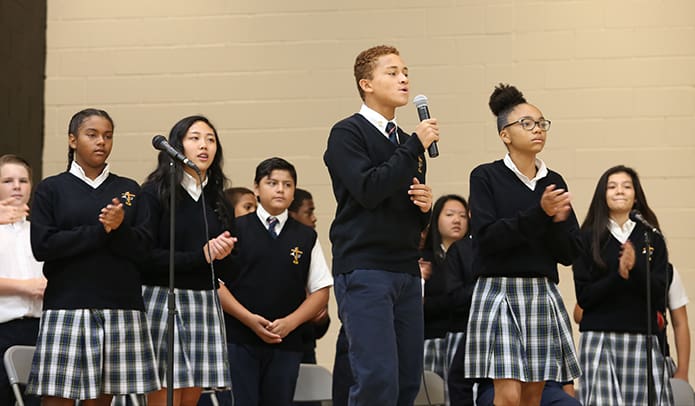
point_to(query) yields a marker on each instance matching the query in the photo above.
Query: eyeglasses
(528, 124)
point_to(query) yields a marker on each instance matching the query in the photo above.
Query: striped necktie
(272, 222)
(392, 131)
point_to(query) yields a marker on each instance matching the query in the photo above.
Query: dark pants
(382, 316)
(460, 387)
(263, 376)
(16, 332)
(342, 374)
(553, 395)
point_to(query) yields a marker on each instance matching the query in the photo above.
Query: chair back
(431, 390)
(314, 384)
(17, 362)
(682, 393)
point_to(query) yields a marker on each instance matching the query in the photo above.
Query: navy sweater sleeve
(460, 280)
(48, 241)
(494, 232)
(376, 225)
(513, 236)
(612, 303)
(189, 260)
(369, 184)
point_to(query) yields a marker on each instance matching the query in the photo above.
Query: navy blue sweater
(460, 282)
(86, 267)
(611, 303)
(376, 225)
(192, 271)
(269, 277)
(512, 235)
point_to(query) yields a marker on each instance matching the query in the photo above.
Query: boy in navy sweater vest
(280, 282)
(378, 175)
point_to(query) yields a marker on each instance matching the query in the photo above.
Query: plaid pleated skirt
(435, 355)
(200, 347)
(439, 352)
(519, 329)
(81, 354)
(615, 370)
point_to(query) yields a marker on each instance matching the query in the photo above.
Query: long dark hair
(77, 120)
(596, 220)
(433, 238)
(217, 181)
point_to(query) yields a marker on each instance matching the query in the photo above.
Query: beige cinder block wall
(616, 77)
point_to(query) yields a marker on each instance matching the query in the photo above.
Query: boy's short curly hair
(366, 62)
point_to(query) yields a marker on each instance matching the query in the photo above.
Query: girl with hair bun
(523, 225)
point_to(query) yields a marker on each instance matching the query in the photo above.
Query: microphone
(160, 143)
(636, 216)
(423, 112)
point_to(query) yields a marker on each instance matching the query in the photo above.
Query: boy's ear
(366, 85)
(256, 191)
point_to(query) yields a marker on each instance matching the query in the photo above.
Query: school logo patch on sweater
(295, 253)
(127, 198)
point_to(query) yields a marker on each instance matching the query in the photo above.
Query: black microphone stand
(650, 376)
(171, 296)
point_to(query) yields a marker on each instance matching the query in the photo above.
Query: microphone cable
(215, 296)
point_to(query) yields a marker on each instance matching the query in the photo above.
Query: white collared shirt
(677, 297)
(189, 184)
(77, 170)
(541, 171)
(18, 262)
(319, 274)
(377, 119)
(621, 233)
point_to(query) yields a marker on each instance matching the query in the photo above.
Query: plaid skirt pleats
(200, 347)
(519, 329)
(81, 354)
(435, 355)
(615, 370)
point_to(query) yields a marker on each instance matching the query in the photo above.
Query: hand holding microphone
(428, 129)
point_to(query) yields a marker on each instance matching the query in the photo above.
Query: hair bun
(504, 98)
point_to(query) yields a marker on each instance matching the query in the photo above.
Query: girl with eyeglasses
(523, 225)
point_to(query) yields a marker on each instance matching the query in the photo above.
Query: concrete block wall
(616, 77)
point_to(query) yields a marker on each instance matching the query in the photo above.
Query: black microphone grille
(420, 100)
(635, 215)
(157, 141)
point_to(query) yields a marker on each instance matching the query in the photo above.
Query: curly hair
(366, 62)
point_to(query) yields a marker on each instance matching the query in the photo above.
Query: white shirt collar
(376, 119)
(621, 233)
(77, 170)
(263, 215)
(189, 184)
(541, 171)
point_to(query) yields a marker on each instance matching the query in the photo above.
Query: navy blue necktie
(392, 131)
(272, 222)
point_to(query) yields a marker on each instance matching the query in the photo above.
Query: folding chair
(314, 384)
(682, 393)
(17, 362)
(431, 390)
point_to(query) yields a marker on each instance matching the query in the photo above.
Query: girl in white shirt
(21, 278)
